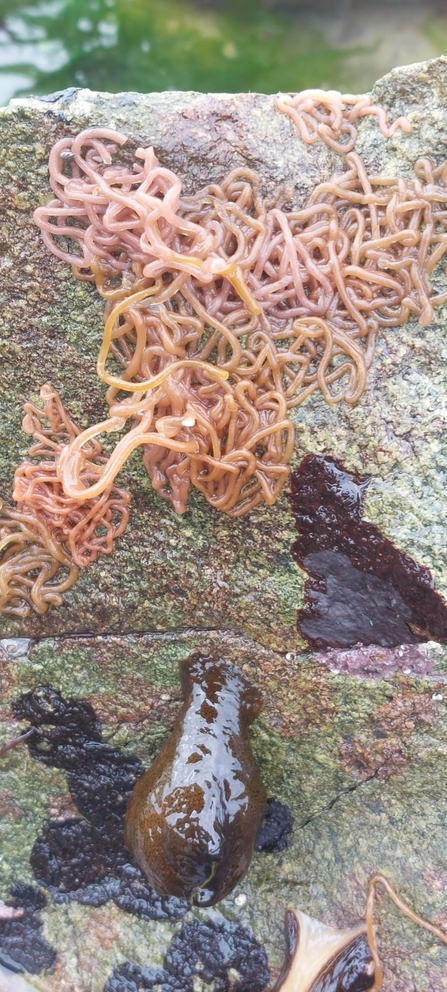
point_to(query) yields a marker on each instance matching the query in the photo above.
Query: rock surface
(353, 741)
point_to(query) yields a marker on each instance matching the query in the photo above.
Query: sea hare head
(323, 959)
(218, 677)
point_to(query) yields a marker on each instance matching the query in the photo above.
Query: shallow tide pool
(211, 45)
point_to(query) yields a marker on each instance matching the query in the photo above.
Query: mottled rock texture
(360, 761)
(361, 764)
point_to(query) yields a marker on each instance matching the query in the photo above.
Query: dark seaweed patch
(131, 978)
(207, 950)
(360, 587)
(85, 859)
(346, 606)
(22, 945)
(131, 896)
(274, 832)
(71, 858)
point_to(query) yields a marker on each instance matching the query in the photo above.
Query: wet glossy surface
(361, 588)
(322, 959)
(192, 819)
(274, 833)
(347, 973)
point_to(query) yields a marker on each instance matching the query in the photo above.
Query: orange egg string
(225, 309)
(34, 570)
(45, 540)
(82, 530)
(373, 884)
(327, 115)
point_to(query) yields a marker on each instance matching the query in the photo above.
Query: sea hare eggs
(192, 819)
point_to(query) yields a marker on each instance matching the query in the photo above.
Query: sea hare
(192, 819)
(323, 959)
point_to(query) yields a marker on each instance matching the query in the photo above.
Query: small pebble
(240, 900)
(406, 671)
(15, 647)
(438, 697)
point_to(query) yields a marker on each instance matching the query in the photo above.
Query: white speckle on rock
(438, 697)
(240, 900)
(220, 582)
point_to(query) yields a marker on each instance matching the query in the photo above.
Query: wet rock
(352, 740)
(364, 780)
(203, 569)
(216, 953)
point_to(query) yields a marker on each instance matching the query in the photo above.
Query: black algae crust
(132, 897)
(361, 588)
(85, 859)
(205, 950)
(68, 856)
(131, 978)
(209, 950)
(274, 833)
(22, 946)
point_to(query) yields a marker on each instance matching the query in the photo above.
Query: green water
(229, 46)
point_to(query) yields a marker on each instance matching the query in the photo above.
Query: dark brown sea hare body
(192, 819)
